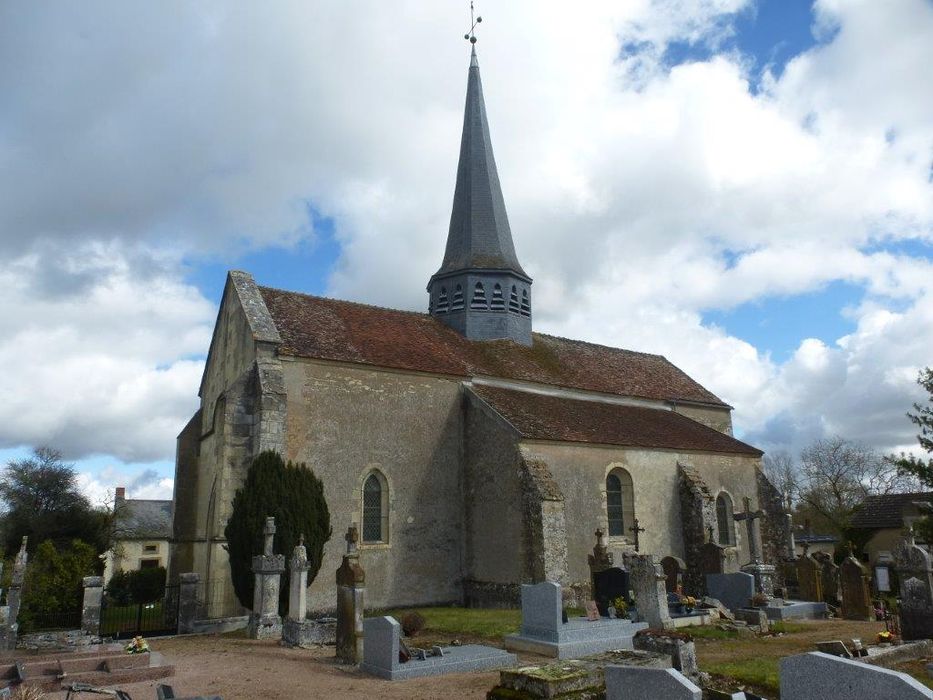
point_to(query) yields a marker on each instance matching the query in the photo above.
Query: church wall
(580, 472)
(345, 421)
(716, 418)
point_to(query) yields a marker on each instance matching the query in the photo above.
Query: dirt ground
(242, 668)
(234, 667)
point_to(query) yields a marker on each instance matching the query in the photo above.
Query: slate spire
(480, 288)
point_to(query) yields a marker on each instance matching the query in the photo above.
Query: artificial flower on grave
(137, 645)
(885, 636)
(620, 605)
(689, 601)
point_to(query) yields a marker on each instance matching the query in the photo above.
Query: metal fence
(123, 620)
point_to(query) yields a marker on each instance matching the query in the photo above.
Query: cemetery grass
(469, 625)
(753, 661)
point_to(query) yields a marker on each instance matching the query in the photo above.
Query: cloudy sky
(744, 186)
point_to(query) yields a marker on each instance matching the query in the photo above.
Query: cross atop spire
(471, 35)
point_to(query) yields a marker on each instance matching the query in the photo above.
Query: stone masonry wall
(499, 550)
(697, 513)
(774, 526)
(345, 421)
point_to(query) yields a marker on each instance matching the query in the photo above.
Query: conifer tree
(923, 418)
(294, 496)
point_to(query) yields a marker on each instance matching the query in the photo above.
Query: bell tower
(480, 289)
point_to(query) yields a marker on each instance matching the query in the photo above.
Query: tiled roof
(539, 417)
(143, 519)
(886, 511)
(345, 331)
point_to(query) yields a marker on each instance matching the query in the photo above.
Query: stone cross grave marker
(635, 529)
(753, 528)
(268, 567)
(351, 593)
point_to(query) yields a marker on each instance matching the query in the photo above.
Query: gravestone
(544, 632)
(635, 683)
(381, 655)
(351, 593)
(856, 590)
(915, 571)
(91, 604)
(650, 593)
(809, 579)
(673, 572)
(297, 630)
(818, 676)
(607, 581)
(716, 559)
(732, 590)
(268, 567)
(829, 577)
(608, 585)
(763, 573)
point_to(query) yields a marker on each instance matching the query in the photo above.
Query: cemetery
(629, 641)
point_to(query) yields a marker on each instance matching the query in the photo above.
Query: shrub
(142, 586)
(412, 623)
(53, 581)
(118, 588)
(295, 497)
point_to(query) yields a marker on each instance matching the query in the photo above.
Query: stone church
(474, 453)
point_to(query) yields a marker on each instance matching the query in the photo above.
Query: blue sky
(747, 181)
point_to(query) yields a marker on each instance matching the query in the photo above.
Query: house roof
(812, 539)
(329, 329)
(139, 519)
(887, 511)
(540, 417)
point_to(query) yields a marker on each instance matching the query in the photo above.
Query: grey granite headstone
(543, 631)
(380, 650)
(732, 590)
(380, 655)
(635, 683)
(818, 676)
(541, 610)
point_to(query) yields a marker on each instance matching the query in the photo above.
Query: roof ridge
(420, 314)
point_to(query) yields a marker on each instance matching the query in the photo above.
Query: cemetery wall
(345, 421)
(716, 418)
(580, 473)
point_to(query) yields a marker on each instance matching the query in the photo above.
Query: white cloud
(95, 346)
(640, 196)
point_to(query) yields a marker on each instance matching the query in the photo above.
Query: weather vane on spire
(471, 35)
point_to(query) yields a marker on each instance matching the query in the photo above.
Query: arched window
(725, 520)
(457, 303)
(620, 502)
(375, 509)
(479, 297)
(513, 300)
(442, 303)
(526, 303)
